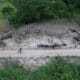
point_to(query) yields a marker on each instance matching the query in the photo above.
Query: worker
(20, 50)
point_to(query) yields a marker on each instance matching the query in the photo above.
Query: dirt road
(40, 53)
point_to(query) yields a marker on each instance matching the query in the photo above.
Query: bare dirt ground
(35, 43)
(33, 58)
(40, 53)
(44, 35)
(4, 26)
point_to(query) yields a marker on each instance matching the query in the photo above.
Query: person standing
(20, 50)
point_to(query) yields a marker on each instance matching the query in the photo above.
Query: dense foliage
(34, 10)
(7, 10)
(56, 70)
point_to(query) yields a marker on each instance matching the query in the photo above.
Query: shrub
(55, 70)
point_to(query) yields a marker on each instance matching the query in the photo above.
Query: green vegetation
(26, 11)
(5, 5)
(37, 10)
(55, 70)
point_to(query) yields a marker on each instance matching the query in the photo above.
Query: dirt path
(40, 53)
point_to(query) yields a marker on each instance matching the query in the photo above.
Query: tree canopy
(34, 10)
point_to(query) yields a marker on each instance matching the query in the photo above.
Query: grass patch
(55, 70)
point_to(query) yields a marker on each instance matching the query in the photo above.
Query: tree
(7, 10)
(31, 10)
(27, 11)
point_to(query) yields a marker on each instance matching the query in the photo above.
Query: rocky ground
(35, 44)
(42, 35)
